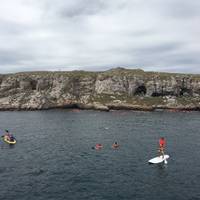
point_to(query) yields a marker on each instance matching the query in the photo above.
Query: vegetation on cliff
(113, 89)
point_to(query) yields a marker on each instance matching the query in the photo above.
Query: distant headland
(117, 88)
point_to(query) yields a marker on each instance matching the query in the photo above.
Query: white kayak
(159, 159)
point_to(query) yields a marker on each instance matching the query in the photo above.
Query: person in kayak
(162, 144)
(9, 136)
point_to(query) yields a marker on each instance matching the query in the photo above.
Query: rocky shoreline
(115, 89)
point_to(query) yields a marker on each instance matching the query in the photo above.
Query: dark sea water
(53, 158)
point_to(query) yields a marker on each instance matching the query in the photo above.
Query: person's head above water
(115, 142)
(7, 131)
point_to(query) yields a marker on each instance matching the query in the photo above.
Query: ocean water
(54, 160)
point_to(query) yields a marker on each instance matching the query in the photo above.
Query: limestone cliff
(113, 89)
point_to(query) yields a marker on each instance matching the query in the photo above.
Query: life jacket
(162, 142)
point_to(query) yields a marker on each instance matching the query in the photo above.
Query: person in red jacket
(162, 144)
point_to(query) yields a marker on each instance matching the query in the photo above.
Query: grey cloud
(75, 8)
(10, 28)
(98, 35)
(14, 57)
(159, 48)
(189, 59)
(182, 9)
(82, 7)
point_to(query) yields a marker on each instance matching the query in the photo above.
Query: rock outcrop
(113, 89)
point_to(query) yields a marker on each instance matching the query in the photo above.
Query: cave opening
(185, 91)
(140, 91)
(33, 85)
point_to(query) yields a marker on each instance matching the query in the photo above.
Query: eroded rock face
(43, 84)
(110, 85)
(9, 83)
(117, 88)
(27, 84)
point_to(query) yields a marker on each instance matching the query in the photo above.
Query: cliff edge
(113, 89)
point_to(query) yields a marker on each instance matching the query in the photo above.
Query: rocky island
(117, 88)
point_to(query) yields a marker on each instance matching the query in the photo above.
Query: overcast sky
(158, 35)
